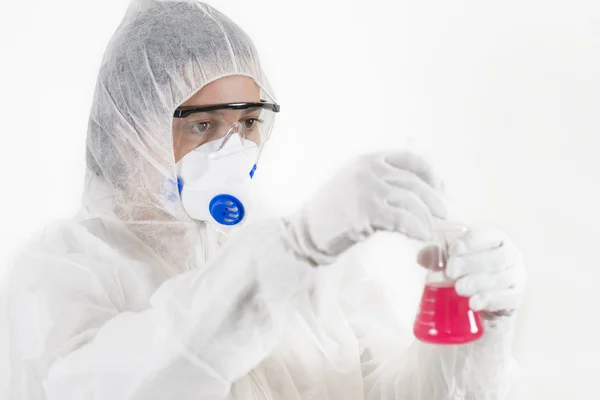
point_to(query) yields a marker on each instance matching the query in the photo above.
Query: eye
(199, 128)
(251, 123)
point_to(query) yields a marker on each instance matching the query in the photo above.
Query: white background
(504, 97)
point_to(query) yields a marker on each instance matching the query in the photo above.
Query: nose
(236, 128)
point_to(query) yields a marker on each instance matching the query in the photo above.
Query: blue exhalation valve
(179, 184)
(226, 209)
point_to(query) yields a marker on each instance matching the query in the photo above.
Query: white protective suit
(134, 300)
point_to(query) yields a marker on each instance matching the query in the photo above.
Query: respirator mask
(226, 141)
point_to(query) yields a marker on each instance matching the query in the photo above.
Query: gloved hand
(488, 268)
(391, 191)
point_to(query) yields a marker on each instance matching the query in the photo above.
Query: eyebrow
(251, 110)
(219, 112)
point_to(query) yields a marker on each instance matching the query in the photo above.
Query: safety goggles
(217, 124)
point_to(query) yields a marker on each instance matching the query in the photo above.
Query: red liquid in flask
(445, 317)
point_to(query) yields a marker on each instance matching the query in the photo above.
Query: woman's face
(194, 131)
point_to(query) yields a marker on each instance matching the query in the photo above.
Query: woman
(144, 295)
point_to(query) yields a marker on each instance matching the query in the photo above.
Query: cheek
(178, 154)
(182, 148)
(255, 137)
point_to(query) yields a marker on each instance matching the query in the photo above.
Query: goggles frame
(185, 111)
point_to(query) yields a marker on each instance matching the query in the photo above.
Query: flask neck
(438, 278)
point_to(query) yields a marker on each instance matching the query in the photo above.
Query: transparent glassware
(444, 317)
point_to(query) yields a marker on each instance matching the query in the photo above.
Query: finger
(408, 200)
(474, 241)
(432, 257)
(409, 161)
(501, 300)
(409, 181)
(402, 221)
(469, 285)
(493, 260)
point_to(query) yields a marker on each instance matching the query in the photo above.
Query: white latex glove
(392, 191)
(488, 269)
